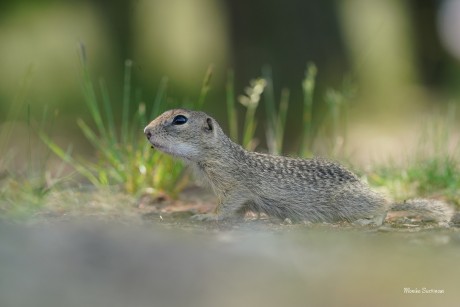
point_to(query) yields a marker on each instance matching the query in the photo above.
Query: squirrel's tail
(429, 209)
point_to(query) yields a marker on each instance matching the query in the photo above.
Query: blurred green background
(399, 59)
(402, 57)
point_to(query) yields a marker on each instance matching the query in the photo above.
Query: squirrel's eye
(179, 120)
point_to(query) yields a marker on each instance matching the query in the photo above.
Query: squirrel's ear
(209, 124)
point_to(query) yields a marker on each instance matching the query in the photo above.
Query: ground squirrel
(313, 190)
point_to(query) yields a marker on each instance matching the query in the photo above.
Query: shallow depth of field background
(114, 229)
(403, 57)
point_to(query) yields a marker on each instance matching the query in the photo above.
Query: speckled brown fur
(313, 190)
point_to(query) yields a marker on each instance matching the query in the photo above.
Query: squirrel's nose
(147, 132)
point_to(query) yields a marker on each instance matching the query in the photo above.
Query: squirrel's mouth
(149, 136)
(160, 147)
(156, 146)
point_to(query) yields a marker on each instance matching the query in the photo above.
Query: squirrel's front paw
(207, 217)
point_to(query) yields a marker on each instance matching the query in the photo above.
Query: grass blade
(269, 98)
(308, 89)
(108, 153)
(29, 142)
(281, 120)
(126, 102)
(231, 108)
(14, 111)
(205, 87)
(108, 112)
(90, 94)
(334, 101)
(249, 127)
(69, 160)
(159, 98)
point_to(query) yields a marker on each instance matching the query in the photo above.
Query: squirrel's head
(184, 133)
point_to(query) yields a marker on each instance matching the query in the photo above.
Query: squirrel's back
(298, 189)
(307, 189)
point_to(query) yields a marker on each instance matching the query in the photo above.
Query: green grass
(308, 89)
(433, 170)
(250, 100)
(437, 176)
(127, 161)
(25, 183)
(123, 158)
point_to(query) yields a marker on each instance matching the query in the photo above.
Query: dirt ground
(104, 248)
